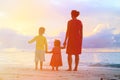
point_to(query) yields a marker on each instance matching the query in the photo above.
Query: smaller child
(56, 59)
(41, 47)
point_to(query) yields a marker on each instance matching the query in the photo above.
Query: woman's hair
(41, 30)
(75, 13)
(57, 43)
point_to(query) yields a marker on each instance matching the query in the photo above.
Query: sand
(84, 73)
(14, 67)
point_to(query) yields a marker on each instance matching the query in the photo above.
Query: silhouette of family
(72, 43)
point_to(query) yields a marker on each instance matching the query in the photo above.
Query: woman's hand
(64, 44)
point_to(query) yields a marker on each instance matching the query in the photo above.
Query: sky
(21, 19)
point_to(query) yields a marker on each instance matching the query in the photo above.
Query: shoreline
(84, 73)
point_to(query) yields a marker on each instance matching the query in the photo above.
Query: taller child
(41, 47)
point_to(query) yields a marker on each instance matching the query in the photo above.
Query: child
(56, 59)
(41, 47)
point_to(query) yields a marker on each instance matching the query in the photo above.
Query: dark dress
(74, 33)
(56, 59)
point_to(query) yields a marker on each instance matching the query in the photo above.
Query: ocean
(26, 59)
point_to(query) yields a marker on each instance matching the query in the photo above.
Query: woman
(73, 39)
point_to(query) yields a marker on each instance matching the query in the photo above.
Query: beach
(84, 73)
(20, 66)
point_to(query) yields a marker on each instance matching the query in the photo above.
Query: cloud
(103, 39)
(53, 14)
(28, 14)
(11, 39)
(87, 7)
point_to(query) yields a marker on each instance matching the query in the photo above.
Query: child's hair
(57, 43)
(41, 30)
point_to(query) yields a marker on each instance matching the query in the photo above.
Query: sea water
(26, 59)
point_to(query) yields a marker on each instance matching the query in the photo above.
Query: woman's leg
(70, 62)
(76, 62)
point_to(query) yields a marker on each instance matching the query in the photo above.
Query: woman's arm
(66, 36)
(65, 40)
(81, 29)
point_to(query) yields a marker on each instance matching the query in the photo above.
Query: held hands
(64, 44)
(63, 47)
(48, 51)
(29, 42)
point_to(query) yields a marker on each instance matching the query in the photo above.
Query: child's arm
(63, 47)
(49, 52)
(46, 46)
(31, 41)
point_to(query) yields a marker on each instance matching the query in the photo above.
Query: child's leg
(36, 65)
(56, 68)
(52, 67)
(41, 64)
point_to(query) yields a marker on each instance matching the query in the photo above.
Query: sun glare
(2, 14)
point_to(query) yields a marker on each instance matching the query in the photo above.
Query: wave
(105, 65)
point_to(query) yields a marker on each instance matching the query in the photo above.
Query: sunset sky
(22, 18)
